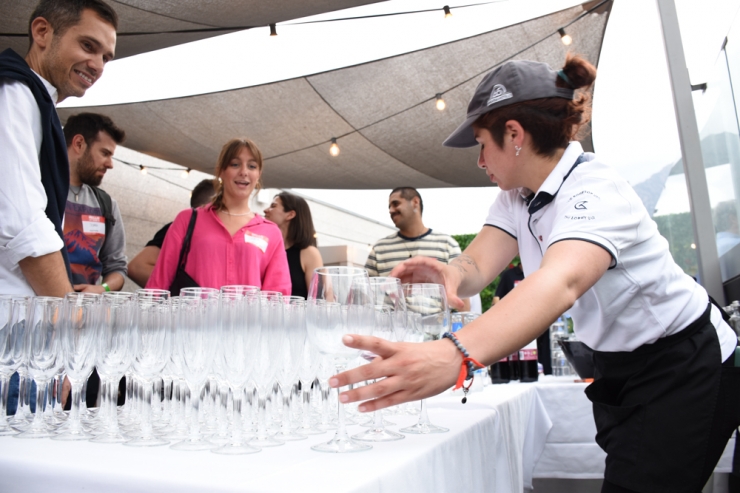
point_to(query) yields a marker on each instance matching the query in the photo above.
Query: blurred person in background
(230, 243)
(141, 266)
(293, 216)
(93, 228)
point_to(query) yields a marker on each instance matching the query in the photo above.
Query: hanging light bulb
(142, 168)
(441, 105)
(565, 37)
(334, 149)
(448, 14)
(186, 173)
(273, 30)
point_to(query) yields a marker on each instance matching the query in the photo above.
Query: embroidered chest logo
(499, 93)
(581, 206)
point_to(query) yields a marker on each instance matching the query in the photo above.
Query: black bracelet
(461, 348)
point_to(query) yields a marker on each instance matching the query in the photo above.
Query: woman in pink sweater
(230, 243)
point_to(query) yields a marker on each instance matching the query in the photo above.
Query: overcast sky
(634, 127)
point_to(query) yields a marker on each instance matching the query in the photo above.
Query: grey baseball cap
(512, 82)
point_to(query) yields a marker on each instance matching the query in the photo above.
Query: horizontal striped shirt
(394, 249)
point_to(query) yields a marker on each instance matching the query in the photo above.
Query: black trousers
(665, 411)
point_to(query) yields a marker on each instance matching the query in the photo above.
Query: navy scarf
(53, 157)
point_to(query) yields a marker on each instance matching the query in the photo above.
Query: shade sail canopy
(147, 25)
(382, 113)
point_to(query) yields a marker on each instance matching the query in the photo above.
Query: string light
(448, 14)
(186, 173)
(273, 30)
(441, 105)
(565, 37)
(142, 168)
(334, 149)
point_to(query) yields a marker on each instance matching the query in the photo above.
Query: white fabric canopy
(147, 25)
(382, 112)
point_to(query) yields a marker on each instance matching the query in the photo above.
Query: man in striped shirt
(413, 238)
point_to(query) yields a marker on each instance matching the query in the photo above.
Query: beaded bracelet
(467, 369)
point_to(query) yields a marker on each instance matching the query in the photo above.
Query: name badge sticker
(257, 240)
(93, 225)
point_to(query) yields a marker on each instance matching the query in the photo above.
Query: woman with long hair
(230, 243)
(293, 216)
(666, 395)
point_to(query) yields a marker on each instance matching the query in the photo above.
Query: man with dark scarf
(70, 42)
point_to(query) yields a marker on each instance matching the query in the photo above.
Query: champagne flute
(114, 346)
(429, 318)
(389, 310)
(11, 356)
(294, 335)
(339, 303)
(240, 331)
(79, 333)
(43, 355)
(195, 337)
(153, 341)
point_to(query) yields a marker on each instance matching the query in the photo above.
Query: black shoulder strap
(186, 242)
(106, 210)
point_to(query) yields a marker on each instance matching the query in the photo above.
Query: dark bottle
(514, 366)
(528, 371)
(500, 371)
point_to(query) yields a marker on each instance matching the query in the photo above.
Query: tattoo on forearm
(462, 262)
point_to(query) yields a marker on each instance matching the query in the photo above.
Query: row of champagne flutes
(242, 338)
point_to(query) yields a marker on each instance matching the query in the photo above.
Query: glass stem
(195, 403)
(262, 417)
(4, 382)
(146, 423)
(38, 418)
(286, 413)
(74, 415)
(341, 428)
(306, 419)
(236, 432)
(423, 417)
(112, 403)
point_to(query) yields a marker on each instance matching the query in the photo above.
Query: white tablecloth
(494, 441)
(571, 451)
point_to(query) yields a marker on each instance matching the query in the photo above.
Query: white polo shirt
(644, 295)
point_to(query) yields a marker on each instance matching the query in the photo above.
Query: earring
(517, 149)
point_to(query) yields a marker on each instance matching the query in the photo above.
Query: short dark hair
(409, 193)
(63, 14)
(301, 232)
(89, 125)
(202, 193)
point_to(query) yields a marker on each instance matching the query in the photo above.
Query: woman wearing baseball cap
(667, 394)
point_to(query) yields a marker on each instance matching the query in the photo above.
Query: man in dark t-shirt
(141, 267)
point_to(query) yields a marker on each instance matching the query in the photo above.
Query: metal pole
(693, 163)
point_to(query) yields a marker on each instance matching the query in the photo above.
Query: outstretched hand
(409, 371)
(426, 269)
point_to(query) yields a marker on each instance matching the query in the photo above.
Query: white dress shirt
(25, 231)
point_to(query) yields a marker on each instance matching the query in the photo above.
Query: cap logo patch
(499, 93)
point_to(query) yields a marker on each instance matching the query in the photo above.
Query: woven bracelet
(467, 369)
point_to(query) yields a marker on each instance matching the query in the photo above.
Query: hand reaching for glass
(409, 371)
(429, 270)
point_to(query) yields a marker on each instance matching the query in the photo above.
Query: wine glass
(195, 338)
(43, 355)
(152, 346)
(79, 333)
(339, 303)
(21, 420)
(240, 332)
(428, 318)
(114, 349)
(389, 310)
